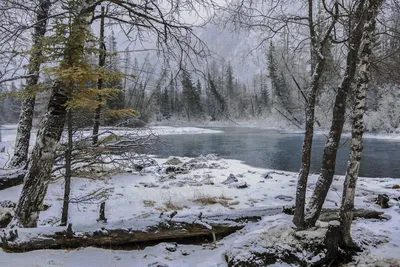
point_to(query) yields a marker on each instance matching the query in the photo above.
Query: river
(274, 150)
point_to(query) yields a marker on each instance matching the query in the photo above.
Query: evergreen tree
(112, 65)
(280, 87)
(191, 97)
(230, 89)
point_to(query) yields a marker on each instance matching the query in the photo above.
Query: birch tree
(356, 147)
(28, 104)
(318, 44)
(324, 181)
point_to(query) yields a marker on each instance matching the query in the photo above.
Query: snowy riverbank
(207, 187)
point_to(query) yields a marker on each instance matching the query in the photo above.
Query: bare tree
(356, 147)
(357, 22)
(28, 105)
(318, 44)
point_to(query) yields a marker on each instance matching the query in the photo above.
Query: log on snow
(11, 178)
(155, 228)
(333, 214)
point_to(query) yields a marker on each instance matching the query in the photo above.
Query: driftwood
(11, 178)
(154, 228)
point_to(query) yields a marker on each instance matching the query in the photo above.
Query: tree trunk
(102, 62)
(356, 148)
(20, 156)
(318, 64)
(156, 228)
(298, 218)
(43, 154)
(332, 144)
(68, 158)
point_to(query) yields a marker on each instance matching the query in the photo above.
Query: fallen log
(328, 215)
(164, 227)
(154, 228)
(10, 178)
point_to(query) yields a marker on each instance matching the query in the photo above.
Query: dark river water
(274, 150)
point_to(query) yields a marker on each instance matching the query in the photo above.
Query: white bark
(356, 148)
(20, 156)
(325, 179)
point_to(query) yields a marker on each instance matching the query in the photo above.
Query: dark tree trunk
(68, 158)
(20, 156)
(318, 63)
(356, 148)
(102, 62)
(332, 144)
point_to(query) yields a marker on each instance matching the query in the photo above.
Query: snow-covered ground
(136, 195)
(203, 189)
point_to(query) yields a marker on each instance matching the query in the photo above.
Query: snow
(127, 198)
(139, 197)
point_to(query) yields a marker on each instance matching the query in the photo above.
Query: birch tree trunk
(318, 64)
(20, 156)
(324, 181)
(49, 134)
(356, 148)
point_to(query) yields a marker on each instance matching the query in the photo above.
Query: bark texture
(356, 148)
(318, 64)
(20, 156)
(332, 144)
(49, 134)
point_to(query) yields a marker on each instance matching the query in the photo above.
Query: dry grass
(168, 205)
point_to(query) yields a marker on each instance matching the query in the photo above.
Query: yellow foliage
(121, 113)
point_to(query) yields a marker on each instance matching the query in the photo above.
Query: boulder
(212, 157)
(240, 185)
(171, 247)
(231, 179)
(176, 169)
(173, 161)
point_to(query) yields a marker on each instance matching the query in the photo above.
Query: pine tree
(280, 87)
(230, 89)
(191, 96)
